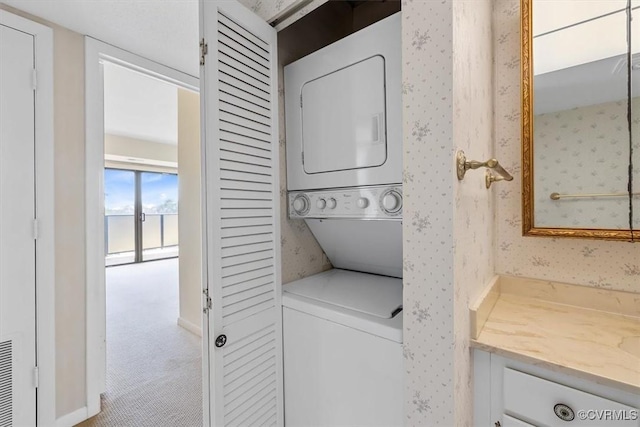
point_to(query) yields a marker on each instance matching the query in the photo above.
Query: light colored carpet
(153, 365)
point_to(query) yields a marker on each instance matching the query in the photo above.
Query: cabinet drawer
(533, 399)
(508, 421)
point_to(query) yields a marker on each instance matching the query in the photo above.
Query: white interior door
(17, 244)
(244, 324)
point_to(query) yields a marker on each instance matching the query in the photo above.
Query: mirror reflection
(581, 88)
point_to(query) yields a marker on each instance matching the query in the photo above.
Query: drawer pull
(564, 412)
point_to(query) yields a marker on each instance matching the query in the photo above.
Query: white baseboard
(190, 327)
(73, 418)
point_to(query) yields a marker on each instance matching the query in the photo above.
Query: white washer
(343, 350)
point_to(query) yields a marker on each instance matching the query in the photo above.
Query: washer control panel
(379, 202)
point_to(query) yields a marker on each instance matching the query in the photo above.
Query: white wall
(70, 236)
(139, 148)
(189, 214)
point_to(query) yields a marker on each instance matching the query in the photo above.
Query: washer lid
(378, 296)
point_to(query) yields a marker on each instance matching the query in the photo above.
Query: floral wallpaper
(448, 228)
(583, 150)
(603, 264)
(428, 212)
(474, 204)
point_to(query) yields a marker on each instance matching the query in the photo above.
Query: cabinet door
(242, 249)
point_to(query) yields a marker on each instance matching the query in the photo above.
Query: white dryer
(343, 350)
(343, 108)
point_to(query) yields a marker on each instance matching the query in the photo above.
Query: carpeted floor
(153, 365)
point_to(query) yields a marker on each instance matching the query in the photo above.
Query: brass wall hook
(490, 178)
(462, 166)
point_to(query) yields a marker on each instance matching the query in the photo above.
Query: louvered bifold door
(244, 321)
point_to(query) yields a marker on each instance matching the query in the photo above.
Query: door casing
(95, 53)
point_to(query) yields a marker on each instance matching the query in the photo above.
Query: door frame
(96, 52)
(45, 214)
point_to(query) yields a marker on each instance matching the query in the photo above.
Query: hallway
(153, 365)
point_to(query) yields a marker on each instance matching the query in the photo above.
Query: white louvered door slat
(239, 84)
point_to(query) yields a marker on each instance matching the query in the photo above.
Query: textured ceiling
(165, 31)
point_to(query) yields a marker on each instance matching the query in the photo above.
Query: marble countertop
(582, 331)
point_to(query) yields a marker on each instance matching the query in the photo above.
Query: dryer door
(343, 107)
(343, 118)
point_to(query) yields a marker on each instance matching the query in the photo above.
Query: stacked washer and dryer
(343, 327)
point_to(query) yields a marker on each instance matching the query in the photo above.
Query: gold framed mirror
(580, 108)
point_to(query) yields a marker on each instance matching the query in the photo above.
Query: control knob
(301, 204)
(321, 203)
(362, 202)
(331, 203)
(392, 201)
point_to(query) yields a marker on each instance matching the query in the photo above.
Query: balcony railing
(158, 231)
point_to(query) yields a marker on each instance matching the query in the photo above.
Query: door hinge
(204, 49)
(34, 79)
(36, 377)
(208, 303)
(35, 229)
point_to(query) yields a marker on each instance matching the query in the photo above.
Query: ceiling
(587, 84)
(138, 106)
(568, 75)
(165, 31)
(562, 29)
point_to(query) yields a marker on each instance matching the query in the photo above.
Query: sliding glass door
(119, 216)
(159, 194)
(141, 216)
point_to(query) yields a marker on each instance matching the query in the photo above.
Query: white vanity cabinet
(509, 393)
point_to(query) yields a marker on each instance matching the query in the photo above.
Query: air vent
(621, 66)
(6, 384)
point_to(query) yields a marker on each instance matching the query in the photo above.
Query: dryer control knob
(392, 201)
(321, 203)
(301, 205)
(362, 202)
(331, 203)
